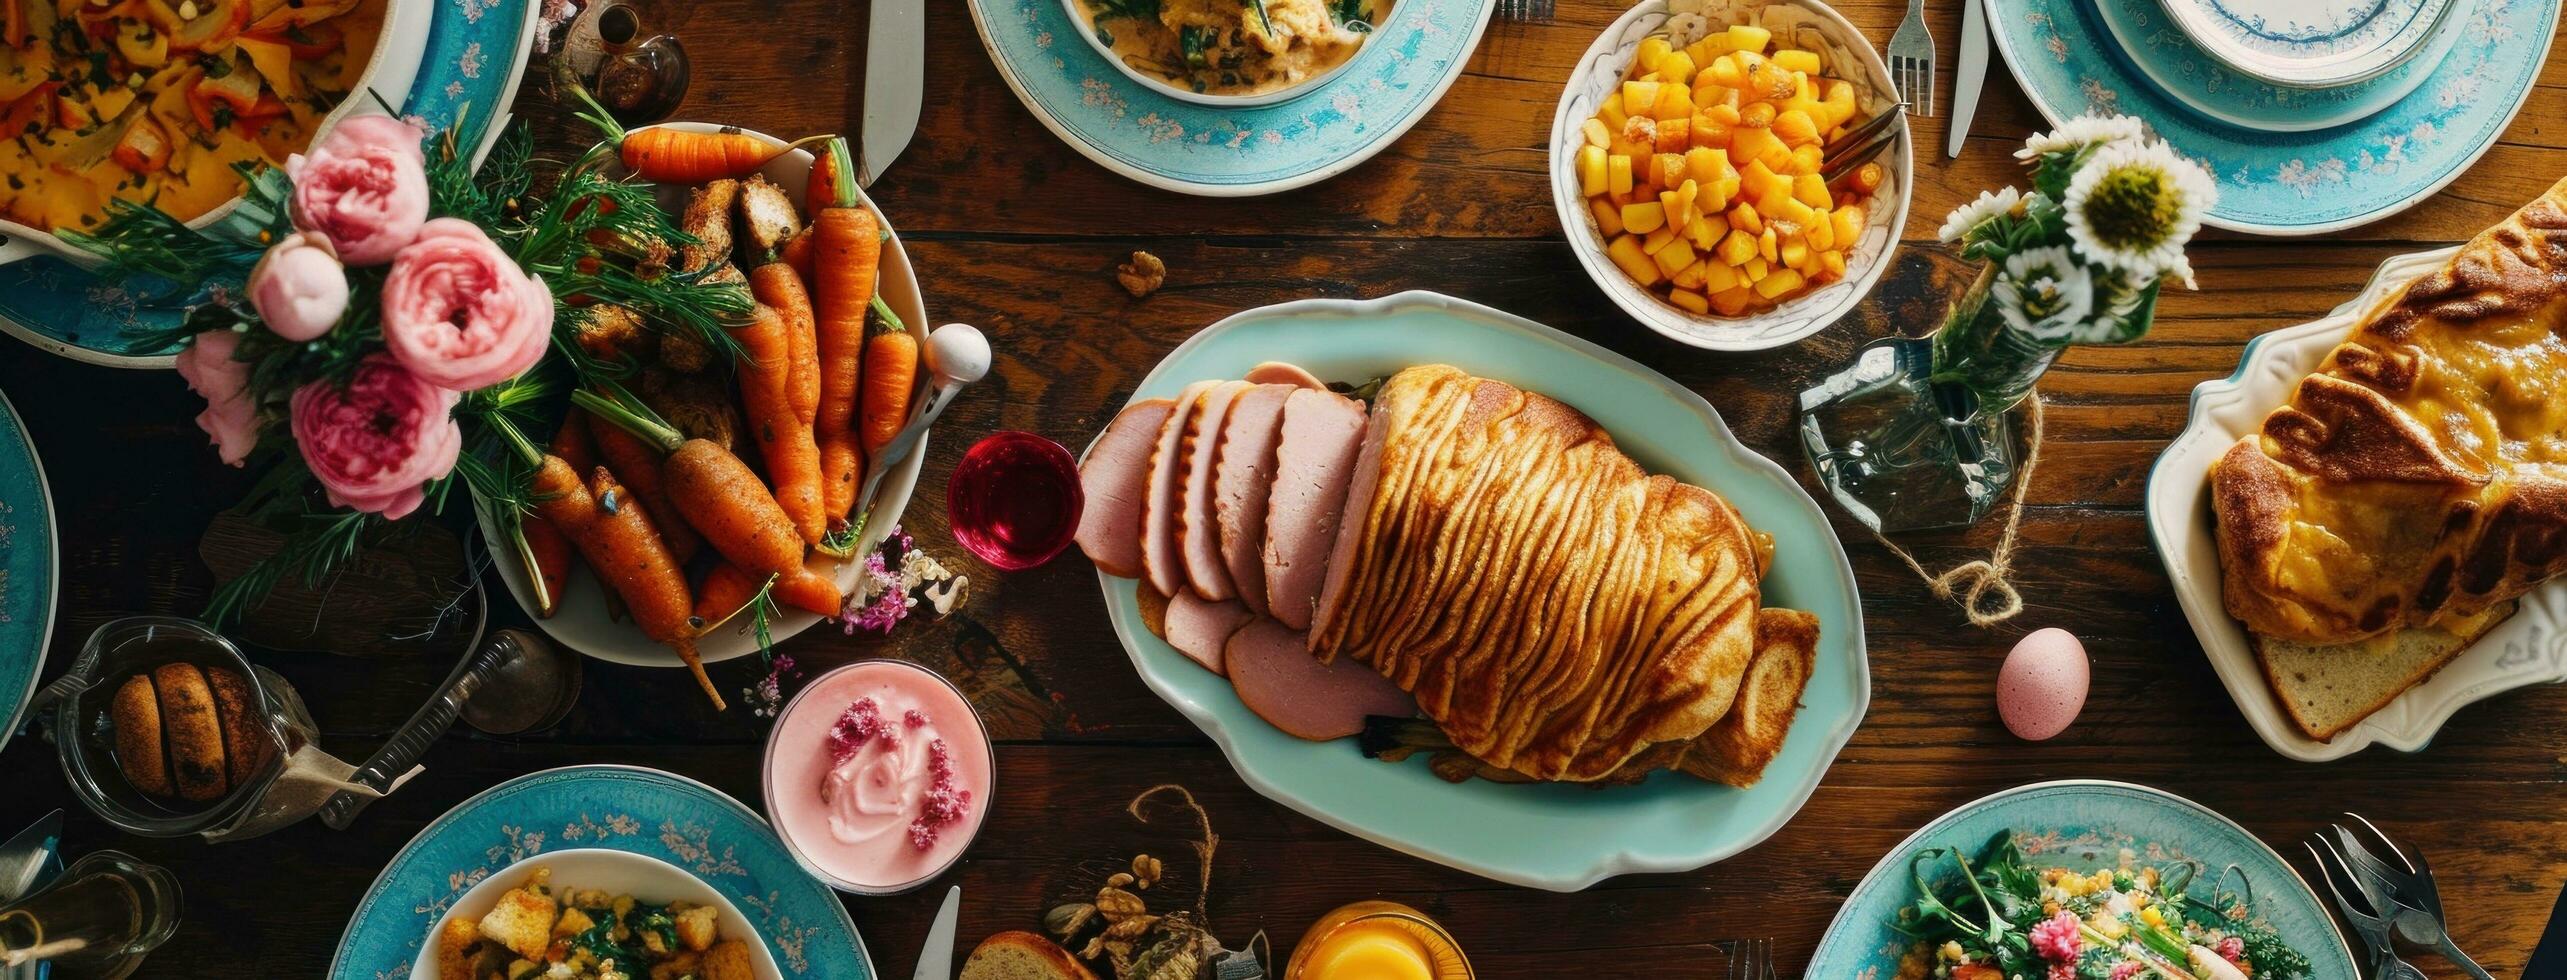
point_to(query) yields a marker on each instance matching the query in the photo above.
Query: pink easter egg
(2043, 684)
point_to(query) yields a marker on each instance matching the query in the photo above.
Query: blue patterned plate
(475, 52)
(2087, 825)
(2297, 183)
(645, 811)
(28, 567)
(2311, 43)
(2170, 58)
(1158, 140)
(1556, 836)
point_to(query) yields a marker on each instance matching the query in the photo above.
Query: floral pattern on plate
(475, 52)
(2297, 183)
(27, 568)
(644, 811)
(1398, 74)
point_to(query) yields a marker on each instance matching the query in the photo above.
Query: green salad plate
(1558, 837)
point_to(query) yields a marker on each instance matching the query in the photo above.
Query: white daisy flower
(2082, 132)
(2044, 292)
(1970, 216)
(2133, 206)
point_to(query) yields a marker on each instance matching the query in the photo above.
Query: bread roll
(135, 715)
(193, 730)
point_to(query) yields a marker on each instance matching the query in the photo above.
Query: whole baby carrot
(783, 437)
(846, 258)
(891, 374)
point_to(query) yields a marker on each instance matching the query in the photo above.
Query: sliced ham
(1198, 535)
(1115, 477)
(1271, 668)
(1160, 561)
(1343, 522)
(1315, 460)
(1243, 475)
(1199, 629)
(1280, 373)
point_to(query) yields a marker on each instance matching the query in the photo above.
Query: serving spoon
(957, 356)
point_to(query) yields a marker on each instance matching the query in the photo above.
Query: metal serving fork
(2415, 903)
(2373, 927)
(1528, 11)
(1912, 61)
(1751, 959)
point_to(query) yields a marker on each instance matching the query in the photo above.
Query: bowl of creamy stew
(1235, 53)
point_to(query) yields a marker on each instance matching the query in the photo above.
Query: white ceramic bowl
(2312, 44)
(1077, 10)
(582, 623)
(389, 71)
(616, 873)
(2528, 648)
(1805, 23)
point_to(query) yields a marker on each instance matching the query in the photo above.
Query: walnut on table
(1143, 275)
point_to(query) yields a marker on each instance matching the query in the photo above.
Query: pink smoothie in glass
(877, 775)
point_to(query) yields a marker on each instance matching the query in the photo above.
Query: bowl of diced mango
(1687, 159)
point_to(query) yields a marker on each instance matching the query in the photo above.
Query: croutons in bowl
(1720, 230)
(593, 914)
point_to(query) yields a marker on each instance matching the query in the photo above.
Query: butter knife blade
(1973, 73)
(895, 83)
(23, 857)
(936, 959)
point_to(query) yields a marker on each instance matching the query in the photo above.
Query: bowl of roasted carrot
(698, 497)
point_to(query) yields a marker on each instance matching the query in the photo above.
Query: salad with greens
(1996, 915)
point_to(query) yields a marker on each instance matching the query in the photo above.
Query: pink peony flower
(459, 313)
(229, 416)
(298, 287)
(364, 187)
(2231, 948)
(2061, 971)
(2057, 939)
(376, 441)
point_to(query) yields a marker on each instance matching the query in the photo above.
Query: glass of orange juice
(1377, 941)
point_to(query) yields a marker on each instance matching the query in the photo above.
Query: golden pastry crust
(2420, 474)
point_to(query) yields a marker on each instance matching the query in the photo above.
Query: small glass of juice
(1377, 941)
(1015, 500)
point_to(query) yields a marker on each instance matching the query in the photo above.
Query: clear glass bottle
(96, 921)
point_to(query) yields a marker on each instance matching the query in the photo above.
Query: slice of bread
(2328, 688)
(1022, 956)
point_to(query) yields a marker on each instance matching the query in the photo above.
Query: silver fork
(1527, 11)
(1751, 959)
(1912, 60)
(2373, 927)
(2408, 886)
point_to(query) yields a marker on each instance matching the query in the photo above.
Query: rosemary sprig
(312, 551)
(138, 239)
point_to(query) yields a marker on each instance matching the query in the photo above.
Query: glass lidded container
(80, 713)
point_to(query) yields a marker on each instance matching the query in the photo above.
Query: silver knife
(895, 84)
(936, 962)
(23, 857)
(1974, 72)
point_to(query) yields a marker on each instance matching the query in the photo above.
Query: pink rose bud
(376, 441)
(229, 416)
(364, 187)
(459, 314)
(298, 287)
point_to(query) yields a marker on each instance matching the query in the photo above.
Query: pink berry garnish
(913, 719)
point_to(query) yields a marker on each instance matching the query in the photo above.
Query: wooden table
(1019, 235)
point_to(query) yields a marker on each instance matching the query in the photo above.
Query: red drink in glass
(1015, 500)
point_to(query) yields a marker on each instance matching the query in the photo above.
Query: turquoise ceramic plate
(475, 52)
(28, 581)
(2163, 52)
(2085, 824)
(1153, 138)
(1546, 836)
(645, 811)
(2311, 43)
(2297, 183)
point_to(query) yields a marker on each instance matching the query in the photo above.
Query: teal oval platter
(2295, 183)
(2086, 825)
(475, 53)
(1552, 836)
(29, 568)
(1159, 140)
(626, 808)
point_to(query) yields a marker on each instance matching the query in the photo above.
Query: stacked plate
(2314, 115)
